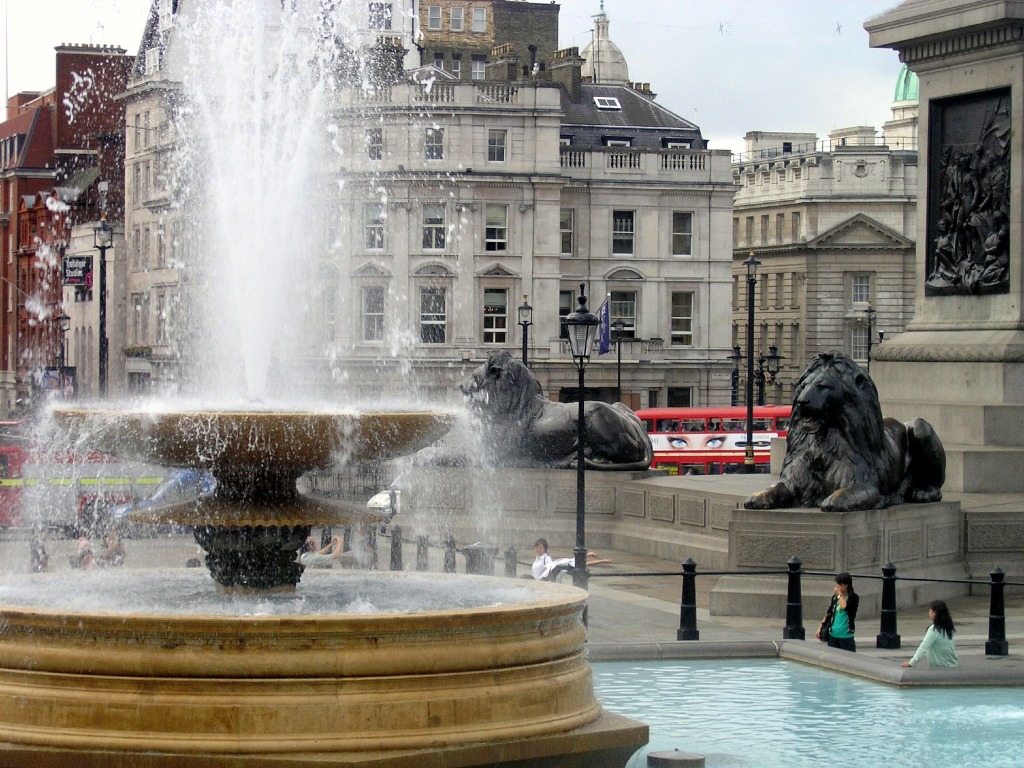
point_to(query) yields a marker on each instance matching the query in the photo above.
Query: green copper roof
(906, 86)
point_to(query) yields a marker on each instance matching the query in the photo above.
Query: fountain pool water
(774, 712)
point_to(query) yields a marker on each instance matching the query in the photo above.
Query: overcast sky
(731, 66)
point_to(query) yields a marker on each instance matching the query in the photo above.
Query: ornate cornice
(930, 354)
(964, 43)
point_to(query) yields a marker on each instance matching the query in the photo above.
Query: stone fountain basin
(295, 441)
(504, 660)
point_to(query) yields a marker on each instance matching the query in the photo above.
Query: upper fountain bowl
(292, 440)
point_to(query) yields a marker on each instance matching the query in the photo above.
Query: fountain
(254, 661)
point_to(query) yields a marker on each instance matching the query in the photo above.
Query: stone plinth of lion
(523, 428)
(842, 455)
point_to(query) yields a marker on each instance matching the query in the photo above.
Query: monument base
(922, 540)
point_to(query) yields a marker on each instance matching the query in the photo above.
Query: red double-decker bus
(712, 441)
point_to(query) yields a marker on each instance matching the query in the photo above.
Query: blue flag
(604, 330)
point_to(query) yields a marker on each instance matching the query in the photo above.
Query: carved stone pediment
(497, 270)
(371, 270)
(861, 231)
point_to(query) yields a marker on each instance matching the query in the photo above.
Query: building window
(764, 230)
(145, 129)
(566, 220)
(860, 289)
(433, 145)
(748, 230)
(679, 397)
(682, 318)
(434, 17)
(433, 226)
(433, 315)
(496, 228)
(152, 61)
(495, 315)
(458, 19)
(622, 306)
(136, 183)
(138, 133)
(161, 253)
(138, 309)
(496, 146)
(373, 225)
(457, 66)
(859, 342)
(797, 174)
(796, 226)
(375, 143)
(479, 19)
(373, 313)
(439, 60)
(682, 233)
(735, 232)
(607, 102)
(161, 318)
(622, 232)
(780, 225)
(781, 177)
(380, 15)
(566, 306)
(478, 68)
(144, 255)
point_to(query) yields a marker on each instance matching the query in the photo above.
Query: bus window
(673, 469)
(782, 424)
(734, 425)
(693, 425)
(762, 425)
(668, 425)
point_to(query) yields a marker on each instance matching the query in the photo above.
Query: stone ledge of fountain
(78, 682)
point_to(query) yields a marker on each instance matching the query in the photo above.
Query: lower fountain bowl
(509, 667)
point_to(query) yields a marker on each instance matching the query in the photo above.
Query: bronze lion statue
(842, 455)
(523, 428)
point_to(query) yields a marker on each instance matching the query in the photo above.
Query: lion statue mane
(525, 429)
(842, 455)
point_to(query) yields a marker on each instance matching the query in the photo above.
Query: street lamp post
(103, 239)
(736, 356)
(65, 324)
(767, 370)
(525, 320)
(582, 325)
(748, 457)
(617, 327)
(870, 312)
(759, 378)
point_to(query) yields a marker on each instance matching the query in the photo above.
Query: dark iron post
(996, 644)
(794, 629)
(396, 548)
(888, 637)
(449, 555)
(510, 562)
(688, 604)
(751, 265)
(422, 553)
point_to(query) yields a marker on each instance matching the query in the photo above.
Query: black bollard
(422, 553)
(449, 555)
(996, 644)
(396, 548)
(510, 562)
(371, 545)
(794, 629)
(888, 637)
(688, 605)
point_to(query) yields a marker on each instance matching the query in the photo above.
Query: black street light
(748, 457)
(103, 239)
(617, 327)
(65, 324)
(767, 370)
(736, 356)
(582, 326)
(525, 320)
(870, 312)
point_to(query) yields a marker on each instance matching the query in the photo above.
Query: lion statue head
(502, 389)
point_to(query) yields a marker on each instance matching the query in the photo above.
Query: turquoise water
(775, 713)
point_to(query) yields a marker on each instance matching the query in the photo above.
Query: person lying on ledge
(562, 564)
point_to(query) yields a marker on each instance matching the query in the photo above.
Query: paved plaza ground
(638, 617)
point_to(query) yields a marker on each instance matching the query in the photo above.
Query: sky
(730, 66)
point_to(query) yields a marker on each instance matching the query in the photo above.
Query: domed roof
(906, 86)
(603, 61)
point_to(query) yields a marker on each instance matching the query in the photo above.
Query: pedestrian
(939, 644)
(839, 624)
(543, 561)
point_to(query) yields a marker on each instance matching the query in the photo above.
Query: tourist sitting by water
(113, 551)
(939, 645)
(326, 557)
(83, 557)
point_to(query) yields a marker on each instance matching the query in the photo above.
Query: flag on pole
(604, 331)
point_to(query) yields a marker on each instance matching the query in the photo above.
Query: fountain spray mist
(256, 80)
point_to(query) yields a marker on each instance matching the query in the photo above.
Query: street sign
(77, 270)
